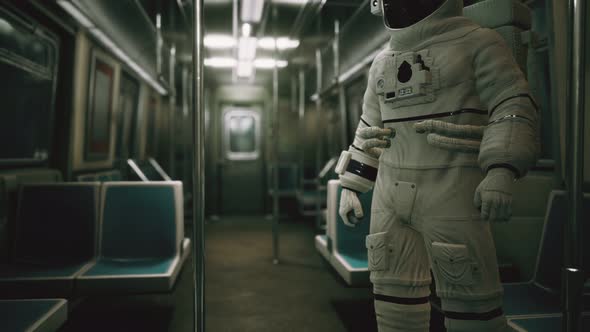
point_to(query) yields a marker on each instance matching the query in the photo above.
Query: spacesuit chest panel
(426, 82)
(406, 79)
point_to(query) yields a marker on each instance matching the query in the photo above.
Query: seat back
(56, 223)
(141, 219)
(509, 18)
(550, 261)
(351, 240)
(9, 184)
(114, 175)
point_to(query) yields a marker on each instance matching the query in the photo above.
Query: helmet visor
(400, 14)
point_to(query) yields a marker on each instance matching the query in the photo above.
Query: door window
(242, 135)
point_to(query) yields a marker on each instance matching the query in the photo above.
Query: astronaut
(465, 128)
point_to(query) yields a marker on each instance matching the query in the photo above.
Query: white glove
(349, 203)
(449, 136)
(494, 194)
(375, 139)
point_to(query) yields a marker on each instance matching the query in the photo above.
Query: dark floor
(246, 292)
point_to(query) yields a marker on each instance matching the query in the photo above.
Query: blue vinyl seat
(54, 240)
(343, 246)
(141, 244)
(44, 315)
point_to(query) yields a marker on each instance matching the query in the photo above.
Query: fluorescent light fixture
(220, 62)
(245, 69)
(219, 42)
(252, 10)
(76, 13)
(247, 48)
(267, 63)
(282, 43)
(246, 29)
(290, 2)
(158, 21)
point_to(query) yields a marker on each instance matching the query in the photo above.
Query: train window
(27, 63)
(355, 93)
(242, 134)
(100, 109)
(127, 118)
(152, 126)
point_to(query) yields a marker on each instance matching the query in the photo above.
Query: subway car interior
(267, 165)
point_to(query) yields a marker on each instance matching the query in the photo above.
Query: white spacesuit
(465, 129)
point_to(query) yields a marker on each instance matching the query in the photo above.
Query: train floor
(244, 290)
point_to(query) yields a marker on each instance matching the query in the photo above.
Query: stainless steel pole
(341, 89)
(198, 169)
(574, 276)
(319, 153)
(301, 129)
(275, 145)
(172, 115)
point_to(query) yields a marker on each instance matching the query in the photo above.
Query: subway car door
(242, 167)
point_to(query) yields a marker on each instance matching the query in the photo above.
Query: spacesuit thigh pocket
(377, 248)
(452, 262)
(404, 195)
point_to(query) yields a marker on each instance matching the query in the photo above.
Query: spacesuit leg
(465, 269)
(399, 267)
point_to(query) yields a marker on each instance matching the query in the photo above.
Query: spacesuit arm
(358, 166)
(510, 139)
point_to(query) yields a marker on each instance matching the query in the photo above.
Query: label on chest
(407, 79)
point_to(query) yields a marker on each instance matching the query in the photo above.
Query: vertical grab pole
(275, 146)
(198, 169)
(573, 273)
(301, 129)
(319, 153)
(340, 87)
(172, 115)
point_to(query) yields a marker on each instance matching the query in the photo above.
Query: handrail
(573, 251)
(198, 152)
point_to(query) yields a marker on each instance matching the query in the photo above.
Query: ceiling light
(290, 2)
(267, 63)
(247, 48)
(283, 43)
(245, 69)
(220, 62)
(246, 29)
(215, 41)
(252, 10)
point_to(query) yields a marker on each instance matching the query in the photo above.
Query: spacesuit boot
(466, 129)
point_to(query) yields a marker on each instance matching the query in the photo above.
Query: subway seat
(541, 295)
(54, 238)
(114, 175)
(43, 315)
(342, 246)
(550, 323)
(141, 244)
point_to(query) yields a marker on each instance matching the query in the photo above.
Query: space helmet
(399, 14)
